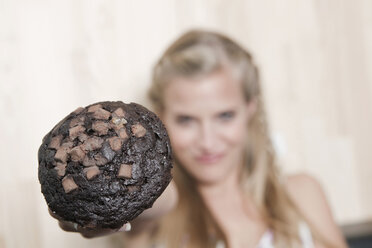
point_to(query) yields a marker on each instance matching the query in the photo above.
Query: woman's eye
(227, 115)
(183, 119)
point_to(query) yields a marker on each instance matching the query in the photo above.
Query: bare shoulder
(304, 186)
(308, 195)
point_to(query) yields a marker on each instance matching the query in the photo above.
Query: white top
(267, 240)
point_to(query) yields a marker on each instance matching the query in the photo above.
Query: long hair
(200, 53)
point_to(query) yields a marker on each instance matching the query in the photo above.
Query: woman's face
(207, 120)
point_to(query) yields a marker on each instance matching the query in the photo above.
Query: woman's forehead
(215, 91)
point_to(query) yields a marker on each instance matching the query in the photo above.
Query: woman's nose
(207, 137)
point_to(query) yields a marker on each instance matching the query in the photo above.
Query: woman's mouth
(208, 159)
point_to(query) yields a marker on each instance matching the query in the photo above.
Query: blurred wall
(315, 58)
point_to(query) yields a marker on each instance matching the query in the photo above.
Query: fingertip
(126, 227)
(68, 226)
(53, 214)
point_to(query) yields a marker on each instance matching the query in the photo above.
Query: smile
(208, 159)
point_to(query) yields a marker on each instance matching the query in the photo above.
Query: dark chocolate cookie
(102, 165)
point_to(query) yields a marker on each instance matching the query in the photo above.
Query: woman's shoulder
(303, 186)
(308, 195)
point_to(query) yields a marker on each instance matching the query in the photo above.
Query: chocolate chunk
(78, 121)
(77, 154)
(132, 188)
(89, 161)
(94, 108)
(100, 159)
(138, 130)
(115, 143)
(61, 154)
(122, 133)
(101, 114)
(92, 172)
(69, 184)
(93, 143)
(63, 150)
(61, 169)
(55, 142)
(125, 171)
(100, 127)
(83, 137)
(67, 144)
(119, 112)
(74, 132)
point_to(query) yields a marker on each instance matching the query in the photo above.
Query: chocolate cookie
(104, 164)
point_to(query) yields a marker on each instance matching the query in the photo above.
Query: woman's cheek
(235, 132)
(181, 138)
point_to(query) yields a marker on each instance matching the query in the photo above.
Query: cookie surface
(102, 165)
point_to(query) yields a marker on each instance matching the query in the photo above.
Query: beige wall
(315, 58)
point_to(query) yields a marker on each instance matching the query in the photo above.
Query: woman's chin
(207, 177)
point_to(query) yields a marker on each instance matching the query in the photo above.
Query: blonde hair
(197, 54)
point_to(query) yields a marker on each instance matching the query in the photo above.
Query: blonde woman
(227, 189)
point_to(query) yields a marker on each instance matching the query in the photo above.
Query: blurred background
(315, 58)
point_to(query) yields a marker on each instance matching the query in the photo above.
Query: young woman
(227, 189)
